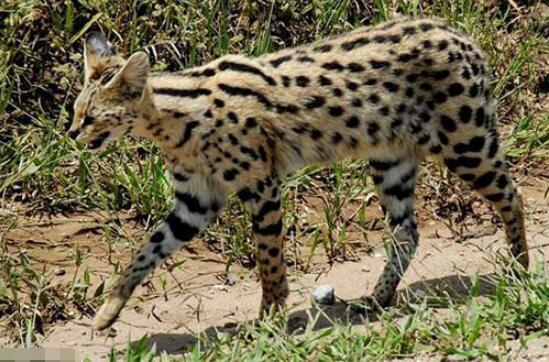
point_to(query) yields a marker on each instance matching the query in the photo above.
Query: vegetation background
(44, 174)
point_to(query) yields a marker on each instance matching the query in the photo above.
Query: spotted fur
(392, 94)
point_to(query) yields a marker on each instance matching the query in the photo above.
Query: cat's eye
(87, 121)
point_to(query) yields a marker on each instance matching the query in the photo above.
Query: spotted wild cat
(391, 94)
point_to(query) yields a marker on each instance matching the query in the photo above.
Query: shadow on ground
(437, 293)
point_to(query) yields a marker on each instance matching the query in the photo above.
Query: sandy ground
(198, 300)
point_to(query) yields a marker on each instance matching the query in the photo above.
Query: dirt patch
(198, 297)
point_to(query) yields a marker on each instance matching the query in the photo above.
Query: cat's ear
(97, 55)
(130, 81)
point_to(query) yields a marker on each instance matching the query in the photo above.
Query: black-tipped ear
(98, 45)
(130, 81)
(98, 55)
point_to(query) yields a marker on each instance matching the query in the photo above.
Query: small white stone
(222, 287)
(324, 294)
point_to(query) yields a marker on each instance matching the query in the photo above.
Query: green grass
(473, 328)
(42, 172)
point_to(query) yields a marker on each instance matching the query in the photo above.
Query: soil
(201, 298)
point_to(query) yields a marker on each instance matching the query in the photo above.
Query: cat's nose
(73, 133)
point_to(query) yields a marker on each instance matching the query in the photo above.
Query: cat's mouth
(97, 142)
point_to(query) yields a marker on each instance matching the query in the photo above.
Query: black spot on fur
(443, 44)
(475, 69)
(495, 197)
(350, 45)
(355, 68)
(465, 114)
(353, 142)
(287, 108)
(245, 92)
(352, 122)
(383, 165)
(302, 81)
(440, 74)
(400, 192)
(439, 97)
(187, 133)
(426, 26)
(378, 179)
(181, 230)
(409, 92)
(276, 62)
(406, 57)
(379, 64)
(335, 111)
(250, 152)
(246, 195)
(157, 237)
(502, 182)
(180, 177)
(315, 102)
(391, 87)
(315, 134)
(467, 177)
(305, 59)
(334, 65)
(396, 123)
(273, 229)
(352, 86)
(268, 206)
(493, 149)
(230, 174)
(479, 117)
(324, 48)
(184, 93)
(232, 117)
(474, 90)
(273, 252)
(448, 123)
(219, 103)
(286, 81)
(374, 98)
(262, 154)
(424, 117)
(324, 81)
(443, 138)
(372, 128)
(233, 139)
(192, 203)
(384, 111)
(246, 68)
(484, 180)
(250, 122)
(409, 30)
(455, 89)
